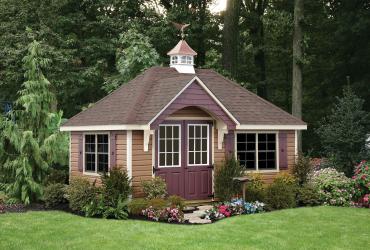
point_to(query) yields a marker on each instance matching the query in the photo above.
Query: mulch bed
(20, 208)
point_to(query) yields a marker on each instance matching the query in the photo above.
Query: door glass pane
(169, 145)
(175, 159)
(168, 159)
(162, 159)
(191, 157)
(162, 147)
(197, 157)
(191, 131)
(204, 158)
(191, 145)
(197, 131)
(169, 132)
(197, 144)
(204, 144)
(204, 131)
(176, 146)
(176, 133)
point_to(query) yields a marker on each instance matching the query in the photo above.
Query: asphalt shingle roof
(138, 101)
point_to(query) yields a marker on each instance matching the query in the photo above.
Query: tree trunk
(230, 37)
(297, 65)
(201, 57)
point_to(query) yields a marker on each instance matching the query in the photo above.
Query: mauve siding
(119, 161)
(189, 112)
(195, 95)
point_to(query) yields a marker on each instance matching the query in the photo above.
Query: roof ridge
(253, 94)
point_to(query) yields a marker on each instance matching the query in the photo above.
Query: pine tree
(343, 133)
(30, 141)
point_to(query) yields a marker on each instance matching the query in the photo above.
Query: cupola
(182, 56)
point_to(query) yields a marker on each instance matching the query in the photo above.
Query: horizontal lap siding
(219, 154)
(74, 154)
(141, 162)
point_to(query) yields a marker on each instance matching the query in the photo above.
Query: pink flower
(366, 198)
(363, 176)
(367, 168)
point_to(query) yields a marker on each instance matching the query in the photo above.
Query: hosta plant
(333, 187)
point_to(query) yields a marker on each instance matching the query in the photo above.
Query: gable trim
(208, 92)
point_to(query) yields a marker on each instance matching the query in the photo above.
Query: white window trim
(180, 141)
(187, 150)
(276, 148)
(96, 173)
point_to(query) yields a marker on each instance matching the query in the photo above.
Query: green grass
(301, 228)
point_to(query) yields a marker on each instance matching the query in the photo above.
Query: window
(183, 59)
(198, 144)
(189, 60)
(256, 151)
(96, 153)
(173, 59)
(169, 145)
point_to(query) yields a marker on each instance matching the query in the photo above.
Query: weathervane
(181, 27)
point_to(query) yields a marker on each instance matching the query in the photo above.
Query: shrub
(116, 186)
(176, 201)
(302, 169)
(254, 188)
(308, 196)
(80, 193)
(286, 178)
(361, 180)
(157, 203)
(154, 188)
(169, 214)
(333, 187)
(97, 208)
(54, 195)
(136, 206)
(3, 198)
(281, 193)
(225, 186)
(57, 176)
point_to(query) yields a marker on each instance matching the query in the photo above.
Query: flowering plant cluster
(168, 214)
(361, 180)
(333, 187)
(235, 207)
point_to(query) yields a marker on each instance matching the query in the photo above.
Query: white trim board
(104, 127)
(271, 127)
(129, 153)
(206, 89)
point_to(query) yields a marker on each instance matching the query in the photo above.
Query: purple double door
(184, 158)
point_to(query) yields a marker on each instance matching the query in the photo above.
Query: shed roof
(141, 99)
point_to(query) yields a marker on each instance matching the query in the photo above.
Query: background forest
(96, 45)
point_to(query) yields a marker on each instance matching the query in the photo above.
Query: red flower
(363, 176)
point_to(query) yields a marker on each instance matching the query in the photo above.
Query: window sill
(92, 174)
(262, 171)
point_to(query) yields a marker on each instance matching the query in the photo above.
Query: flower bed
(235, 207)
(168, 214)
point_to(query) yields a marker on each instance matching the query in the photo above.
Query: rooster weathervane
(181, 27)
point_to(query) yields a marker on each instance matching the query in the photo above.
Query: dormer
(182, 58)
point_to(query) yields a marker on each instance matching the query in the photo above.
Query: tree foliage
(135, 54)
(344, 131)
(29, 138)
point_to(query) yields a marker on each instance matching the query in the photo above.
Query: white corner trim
(70, 155)
(129, 153)
(206, 89)
(271, 127)
(104, 127)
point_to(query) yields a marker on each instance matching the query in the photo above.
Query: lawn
(301, 228)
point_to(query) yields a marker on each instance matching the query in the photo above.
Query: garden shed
(180, 123)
